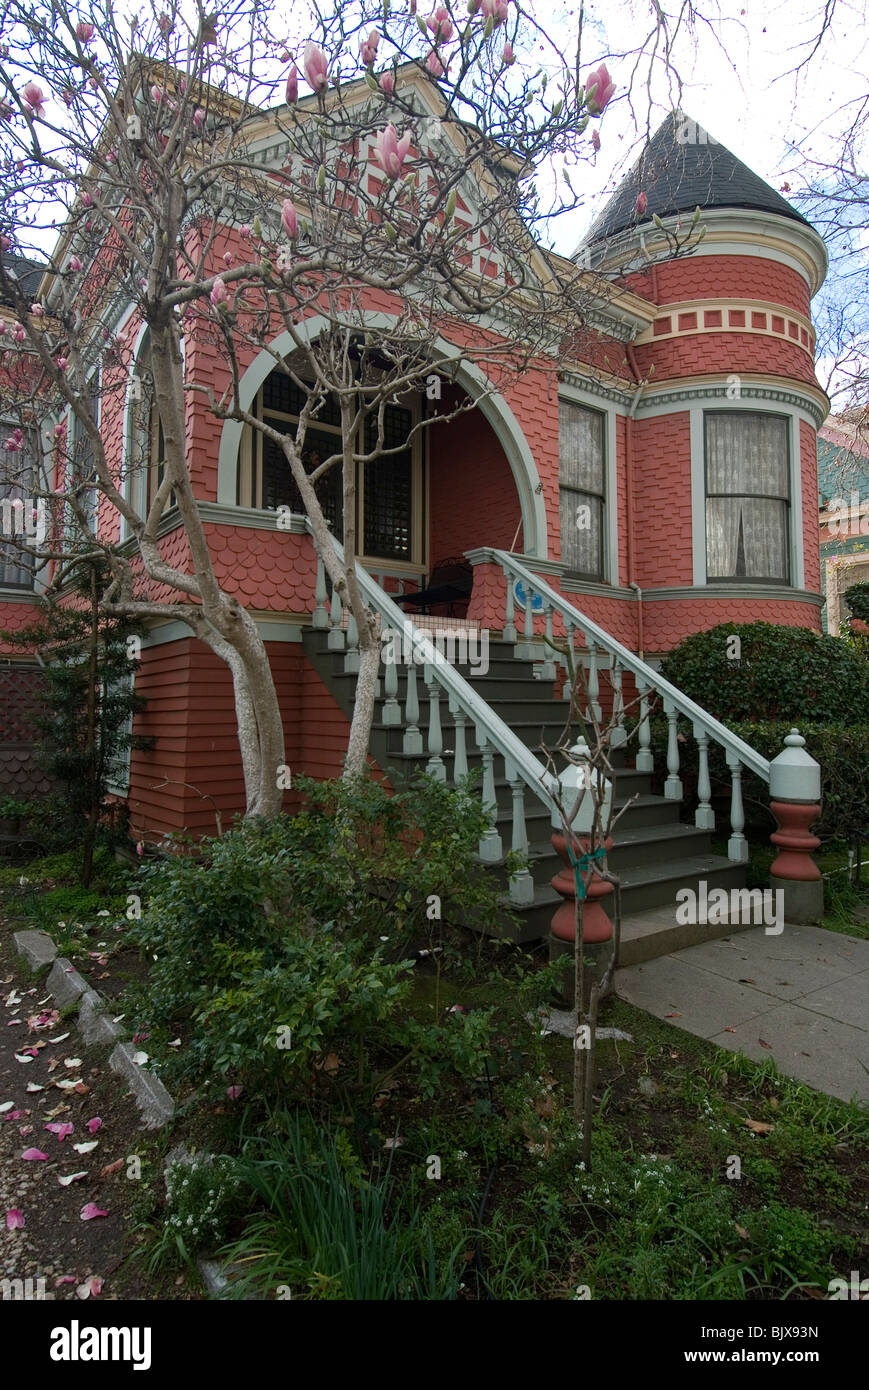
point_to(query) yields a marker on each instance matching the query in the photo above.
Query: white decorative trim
(698, 495)
(673, 397)
(271, 629)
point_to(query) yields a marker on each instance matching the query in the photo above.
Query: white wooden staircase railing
(495, 739)
(619, 659)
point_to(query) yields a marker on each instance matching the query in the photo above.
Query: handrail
(647, 677)
(499, 734)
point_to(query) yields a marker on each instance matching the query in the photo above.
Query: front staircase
(448, 718)
(654, 854)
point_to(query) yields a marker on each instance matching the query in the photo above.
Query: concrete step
(653, 932)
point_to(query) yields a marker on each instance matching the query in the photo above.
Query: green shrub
(289, 939)
(783, 673)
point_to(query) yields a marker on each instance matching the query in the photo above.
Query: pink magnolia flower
(14, 1219)
(94, 1124)
(164, 24)
(387, 83)
(140, 847)
(604, 87)
(91, 1210)
(234, 1092)
(84, 31)
(315, 67)
(390, 152)
(86, 200)
(219, 293)
(198, 118)
(289, 220)
(434, 64)
(61, 363)
(5, 242)
(441, 25)
(246, 230)
(292, 93)
(33, 96)
(496, 10)
(37, 311)
(285, 56)
(642, 204)
(157, 94)
(509, 56)
(73, 263)
(368, 48)
(595, 141)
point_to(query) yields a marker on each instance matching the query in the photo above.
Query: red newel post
(795, 801)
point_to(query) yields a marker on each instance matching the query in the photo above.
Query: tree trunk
(363, 710)
(90, 828)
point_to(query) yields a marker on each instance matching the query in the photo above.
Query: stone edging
(95, 1024)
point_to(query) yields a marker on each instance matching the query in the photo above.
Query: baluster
(521, 882)
(335, 641)
(510, 633)
(460, 719)
(412, 742)
(645, 757)
(391, 708)
(618, 736)
(737, 845)
(351, 658)
(570, 633)
(435, 765)
(704, 816)
(548, 669)
(673, 784)
(320, 619)
(490, 846)
(594, 710)
(529, 615)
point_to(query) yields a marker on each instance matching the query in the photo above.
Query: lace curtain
(581, 476)
(747, 496)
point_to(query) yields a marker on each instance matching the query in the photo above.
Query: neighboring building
(843, 500)
(684, 425)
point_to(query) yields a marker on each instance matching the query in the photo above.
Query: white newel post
(795, 801)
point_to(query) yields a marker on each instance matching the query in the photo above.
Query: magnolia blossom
(473, 6)
(5, 242)
(441, 25)
(315, 67)
(434, 64)
(642, 204)
(604, 87)
(86, 200)
(390, 152)
(289, 220)
(509, 56)
(73, 263)
(387, 83)
(496, 10)
(219, 293)
(157, 94)
(37, 311)
(595, 141)
(198, 118)
(164, 24)
(368, 48)
(84, 31)
(34, 97)
(61, 363)
(293, 85)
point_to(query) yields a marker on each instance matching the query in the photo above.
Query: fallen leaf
(81, 1088)
(70, 1177)
(759, 1127)
(545, 1106)
(672, 1015)
(767, 1045)
(773, 1103)
(730, 1030)
(111, 1167)
(90, 1211)
(742, 1232)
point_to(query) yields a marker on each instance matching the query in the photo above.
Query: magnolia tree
(397, 232)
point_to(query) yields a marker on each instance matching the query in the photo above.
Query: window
(18, 522)
(81, 464)
(747, 496)
(581, 474)
(388, 489)
(118, 767)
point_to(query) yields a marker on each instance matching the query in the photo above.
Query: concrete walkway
(801, 998)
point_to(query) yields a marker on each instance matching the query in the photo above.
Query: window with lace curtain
(748, 496)
(582, 488)
(17, 475)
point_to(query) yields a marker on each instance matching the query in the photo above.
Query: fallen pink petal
(90, 1211)
(14, 1219)
(94, 1124)
(34, 1156)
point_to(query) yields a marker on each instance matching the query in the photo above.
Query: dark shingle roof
(678, 174)
(27, 273)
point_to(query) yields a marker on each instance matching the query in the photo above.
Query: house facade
(843, 500)
(660, 479)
